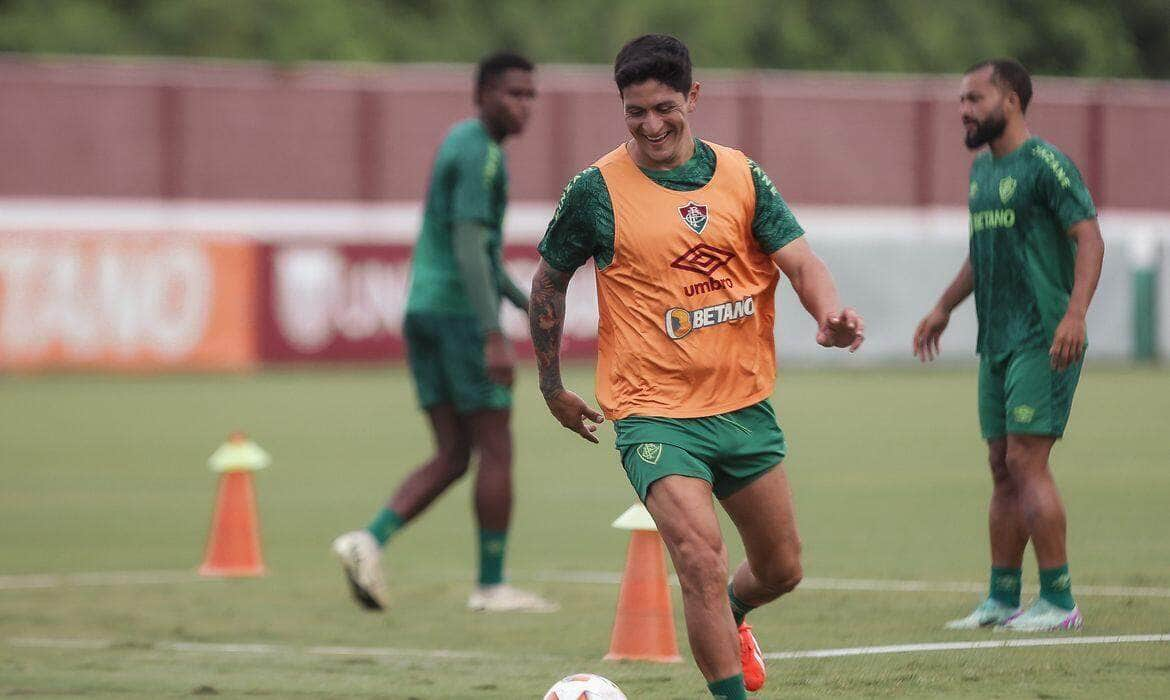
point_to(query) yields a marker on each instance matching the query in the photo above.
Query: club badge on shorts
(650, 452)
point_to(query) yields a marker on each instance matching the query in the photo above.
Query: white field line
(860, 584)
(390, 652)
(252, 649)
(211, 648)
(395, 652)
(46, 643)
(99, 578)
(966, 646)
(133, 578)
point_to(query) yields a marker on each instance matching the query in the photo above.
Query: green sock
(1056, 587)
(491, 556)
(1005, 586)
(728, 688)
(739, 609)
(384, 525)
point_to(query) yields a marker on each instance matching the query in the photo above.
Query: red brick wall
(247, 131)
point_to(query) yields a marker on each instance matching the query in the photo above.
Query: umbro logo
(703, 259)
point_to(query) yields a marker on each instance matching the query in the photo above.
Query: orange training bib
(687, 307)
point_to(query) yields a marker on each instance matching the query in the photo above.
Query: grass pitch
(108, 474)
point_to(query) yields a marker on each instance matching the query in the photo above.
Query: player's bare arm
(837, 327)
(930, 328)
(1068, 343)
(546, 319)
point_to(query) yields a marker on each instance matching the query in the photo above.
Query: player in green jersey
(1034, 260)
(461, 361)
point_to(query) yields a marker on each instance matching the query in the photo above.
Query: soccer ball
(584, 686)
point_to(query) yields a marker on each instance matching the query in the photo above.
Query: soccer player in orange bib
(687, 237)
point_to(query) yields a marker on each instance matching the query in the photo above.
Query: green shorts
(728, 451)
(447, 362)
(1020, 393)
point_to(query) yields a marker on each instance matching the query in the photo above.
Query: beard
(987, 130)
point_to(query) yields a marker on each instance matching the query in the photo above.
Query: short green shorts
(447, 362)
(1020, 393)
(729, 450)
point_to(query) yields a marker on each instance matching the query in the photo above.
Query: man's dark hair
(659, 57)
(1009, 74)
(495, 65)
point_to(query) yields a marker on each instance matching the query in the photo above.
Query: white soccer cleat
(504, 598)
(989, 613)
(361, 558)
(1043, 616)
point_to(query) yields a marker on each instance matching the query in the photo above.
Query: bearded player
(687, 237)
(1035, 257)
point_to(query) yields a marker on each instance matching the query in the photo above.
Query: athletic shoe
(989, 613)
(1043, 616)
(504, 598)
(360, 558)
(752, 659)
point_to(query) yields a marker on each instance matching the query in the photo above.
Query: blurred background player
(461, 362)
(687, 237)
(1035, 258)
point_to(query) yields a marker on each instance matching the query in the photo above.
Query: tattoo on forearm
(546, 320)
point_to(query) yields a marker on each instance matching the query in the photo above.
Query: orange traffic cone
(233, 547)
(643, 628)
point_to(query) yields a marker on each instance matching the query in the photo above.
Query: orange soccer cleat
(752, 659)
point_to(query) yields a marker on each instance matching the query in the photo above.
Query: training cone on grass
(233, 546)
(643, 629)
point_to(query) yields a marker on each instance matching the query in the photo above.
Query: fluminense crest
(694, 215)
(1007, 188)
(650, 452)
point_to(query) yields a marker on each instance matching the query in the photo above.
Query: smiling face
(983, 106)
(657, 116)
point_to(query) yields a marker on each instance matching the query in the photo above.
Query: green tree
(1123, 38)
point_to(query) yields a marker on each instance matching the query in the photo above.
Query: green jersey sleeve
(476, 167)
(582, 226)
(508, 287)
(1062, 189)
(773, 225)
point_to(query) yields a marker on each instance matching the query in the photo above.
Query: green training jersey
(1022, 206)
(469, 183)
(583, 226)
